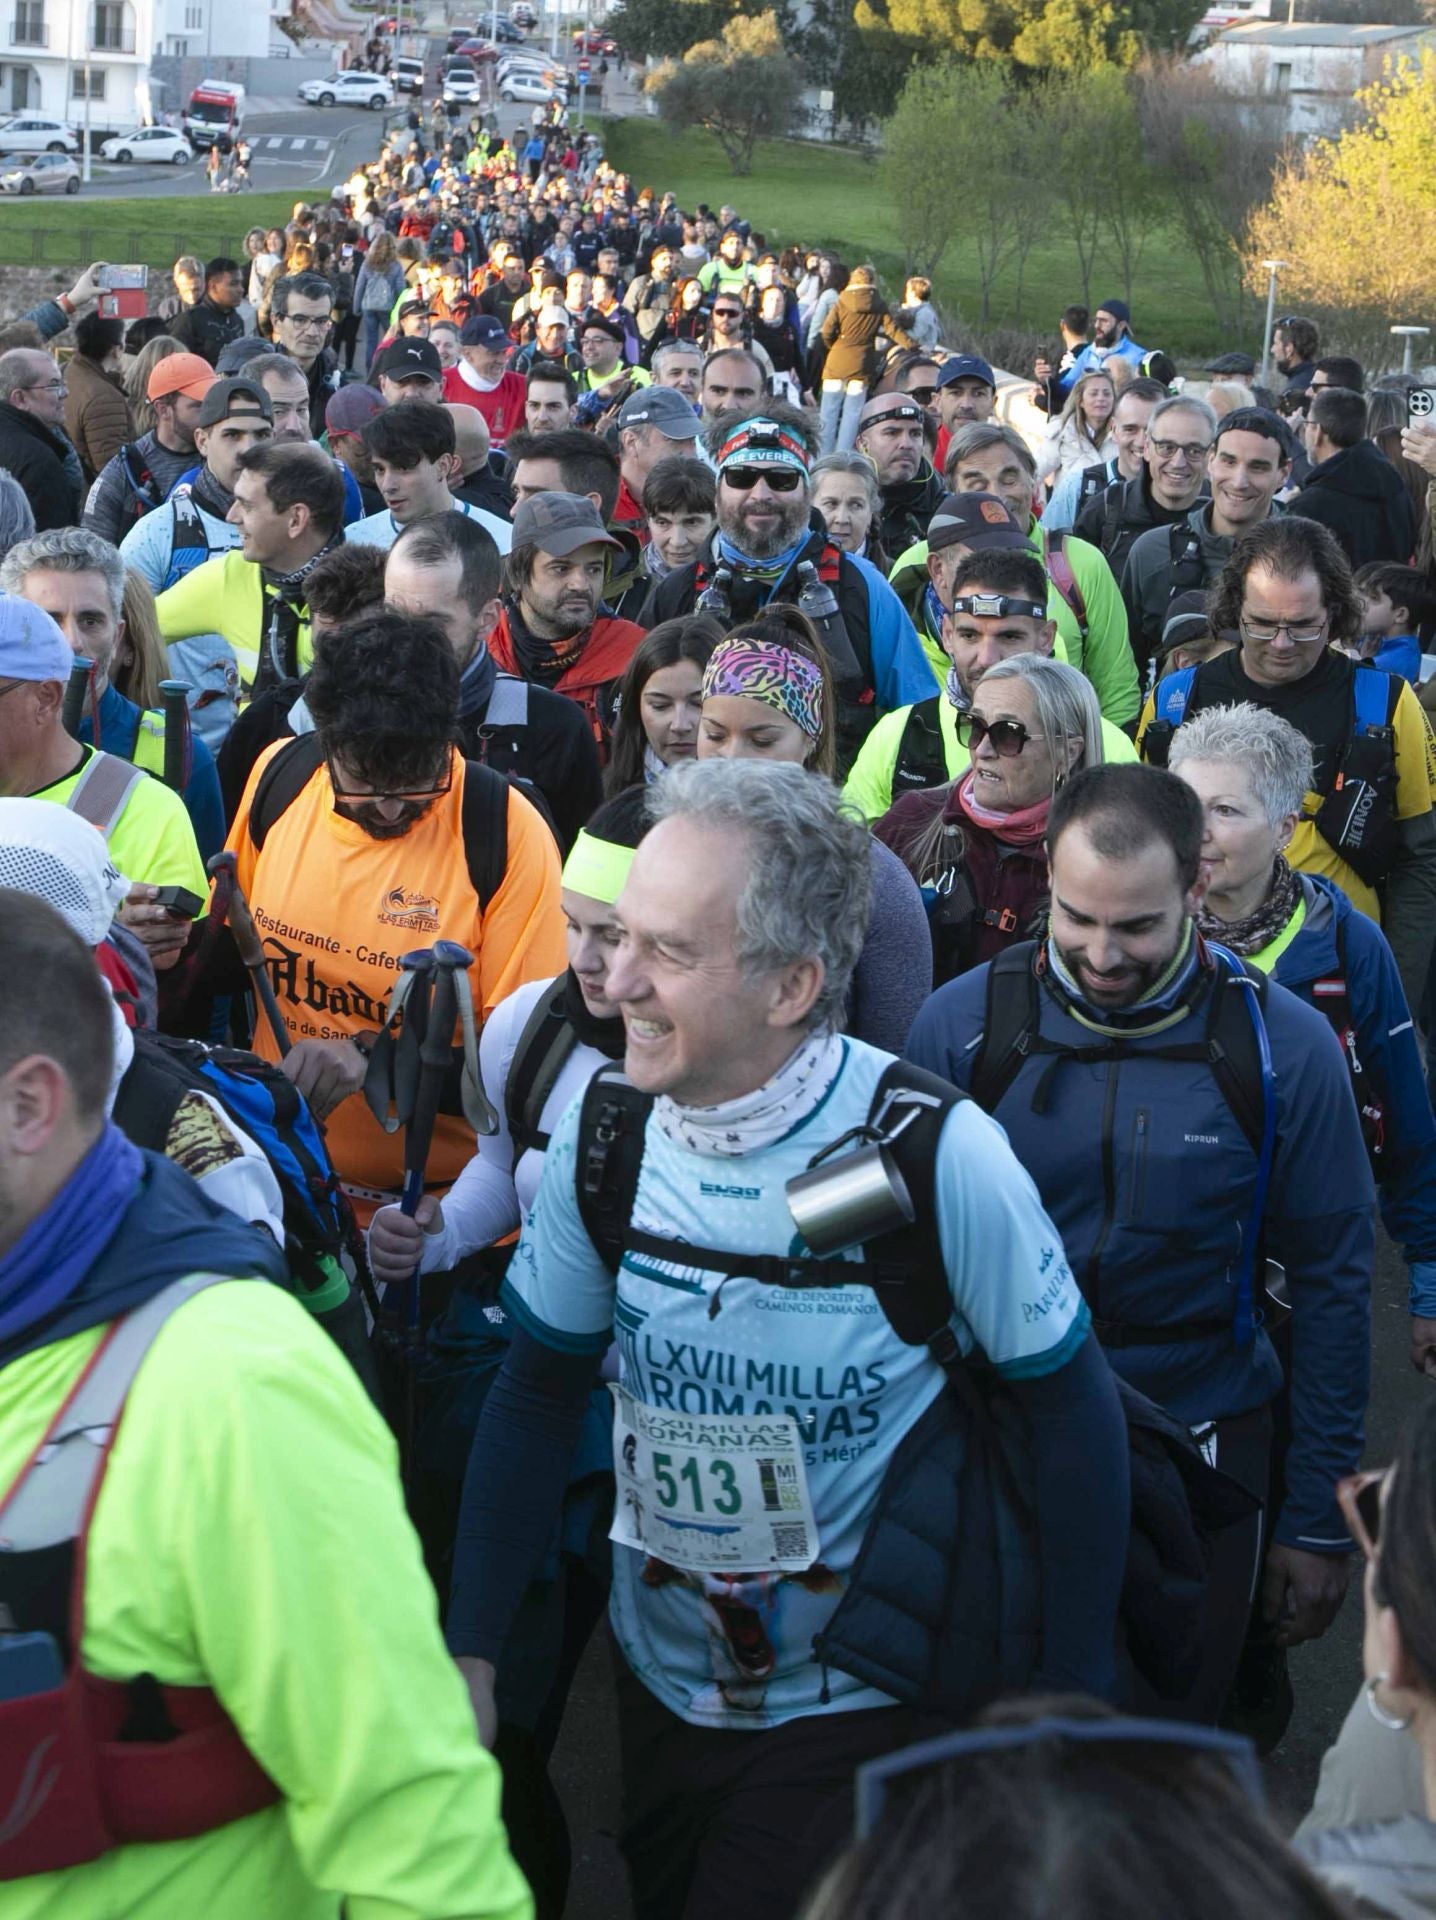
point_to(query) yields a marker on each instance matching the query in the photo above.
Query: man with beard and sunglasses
(771, 545)
(369, 836)
(554, 629)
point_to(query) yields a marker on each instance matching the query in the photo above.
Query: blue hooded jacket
(1386, 1047)
(1149, 1178)
(119, 729)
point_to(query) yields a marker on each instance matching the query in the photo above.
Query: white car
(462, 84)
(149, 143)
(352, 89)
(30, 133)
(527, 86)
(46, 173)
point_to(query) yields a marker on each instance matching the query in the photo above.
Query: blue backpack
(319, 1222)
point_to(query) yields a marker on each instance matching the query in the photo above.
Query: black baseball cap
(977, 521)
(227, 397)
(410, 359)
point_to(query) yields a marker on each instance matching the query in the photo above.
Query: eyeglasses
(924, 396)
(727, 313)
(356, 796)
(15, 686)
(875, 1780)
(1269, 629)
(1359, 1495)
(779, 479)
(308, 322)
(46, 386)
(1191, 451)
(1008, 737)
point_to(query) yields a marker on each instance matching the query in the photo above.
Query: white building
(53, 53)
(1313, 69)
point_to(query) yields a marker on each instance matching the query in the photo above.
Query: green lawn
(831, 197)
(72, 232)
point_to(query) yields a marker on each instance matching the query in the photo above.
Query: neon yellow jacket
(250, 1535)
(226, 596)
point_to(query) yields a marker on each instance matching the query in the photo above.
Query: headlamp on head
(998, 606)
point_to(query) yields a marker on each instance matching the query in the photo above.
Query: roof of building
(1314, 34)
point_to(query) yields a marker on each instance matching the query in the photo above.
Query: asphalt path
(287, 156)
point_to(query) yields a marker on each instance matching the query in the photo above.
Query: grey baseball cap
(661, 407)
(239, 395)
(560, 523)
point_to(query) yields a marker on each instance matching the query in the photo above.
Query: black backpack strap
(919, 1307)
(543, 1047)
(485, 816)
(920, 762)
(611, 1128)
(1232, 1051)
(284, 778)
(1009, 1023)
(149, 1094)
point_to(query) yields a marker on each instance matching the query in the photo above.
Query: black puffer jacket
(1361, 497)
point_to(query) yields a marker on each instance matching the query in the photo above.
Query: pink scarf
(1024, 827)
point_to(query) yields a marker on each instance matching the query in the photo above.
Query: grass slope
(831, 197)
(71, 232)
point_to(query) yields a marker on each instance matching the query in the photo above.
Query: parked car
(507, 33)
(592, 42)
(355, 88)
(408, 73)
(530, 87)
(30, 133)
(528, 63)
(149, 143)
(46, 173)
(461, 85)
(478, 52)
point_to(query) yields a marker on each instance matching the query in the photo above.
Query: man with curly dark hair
(372, 835)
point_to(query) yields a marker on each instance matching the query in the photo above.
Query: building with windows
(1313, 70)
(58, 55)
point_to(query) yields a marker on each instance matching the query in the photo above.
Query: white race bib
(711, 1493)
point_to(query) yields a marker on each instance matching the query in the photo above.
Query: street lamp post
(1408, 336)
(1273, 268)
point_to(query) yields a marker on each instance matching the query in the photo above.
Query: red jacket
(628, 512)
(503, 409)
(601, 661)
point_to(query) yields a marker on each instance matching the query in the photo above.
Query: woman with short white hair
(1252, 772)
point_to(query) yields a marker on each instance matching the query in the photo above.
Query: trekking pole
(436, 1054)
(251, 949)
(76, 687)
(174, 703)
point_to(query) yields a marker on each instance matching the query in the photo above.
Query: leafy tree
(1042, 34)
(1214, 155)
(851, 51)
(742, 87)
(1354, 218)
(665, 29)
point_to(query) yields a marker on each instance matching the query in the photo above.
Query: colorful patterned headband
(760, 670)
(763, 443)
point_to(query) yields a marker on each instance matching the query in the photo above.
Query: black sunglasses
(924, 396)
(1008, 737)
(779, 479)
(876, 1778)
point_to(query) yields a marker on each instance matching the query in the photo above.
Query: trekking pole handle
(174, 704)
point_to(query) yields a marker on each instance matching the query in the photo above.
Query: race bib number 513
(711, 1493)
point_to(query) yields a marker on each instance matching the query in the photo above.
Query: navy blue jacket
(1149, 1179)
(1386, 1047)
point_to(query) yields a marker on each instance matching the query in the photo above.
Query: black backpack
(1229, 1048)
(484, 813)
(543, 1049)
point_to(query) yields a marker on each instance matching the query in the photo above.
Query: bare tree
(1215, 155)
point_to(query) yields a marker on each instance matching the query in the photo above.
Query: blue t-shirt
(735, 1650)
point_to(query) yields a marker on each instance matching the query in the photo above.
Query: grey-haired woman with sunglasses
(977, 846)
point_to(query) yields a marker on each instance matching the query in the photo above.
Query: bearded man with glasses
(771, 545)
(1286, 595)
(33, 445)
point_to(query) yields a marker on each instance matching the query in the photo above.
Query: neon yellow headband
(597, 868)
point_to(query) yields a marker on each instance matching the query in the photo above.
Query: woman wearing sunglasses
(1382, 1771)
(768, 695)
(977, 846)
